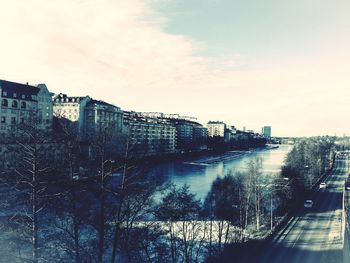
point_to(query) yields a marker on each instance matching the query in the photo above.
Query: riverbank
(194, 155)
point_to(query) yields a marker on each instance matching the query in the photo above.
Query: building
(23, 104)
(216, 129)
(190, 135)
(266, 131)
(70, 108)
(89, 115)
(99, 115)
(148, 136)
(200, 137)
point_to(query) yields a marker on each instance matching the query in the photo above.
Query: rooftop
(19, 88)
(216, 122)
(101, 102)
(64, 98)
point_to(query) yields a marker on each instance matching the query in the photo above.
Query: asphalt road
(315, 234)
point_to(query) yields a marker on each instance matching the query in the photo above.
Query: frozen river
(200, 173)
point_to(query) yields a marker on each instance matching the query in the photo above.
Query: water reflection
(200, 177)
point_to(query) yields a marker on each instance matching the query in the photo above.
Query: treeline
(60, 205)
(119, 212)
(306, 164)
(243, 143)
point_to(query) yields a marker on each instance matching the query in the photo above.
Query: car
(347, 184)
(323, 185)
(308, 203)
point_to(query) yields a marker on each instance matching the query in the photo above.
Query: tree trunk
(101, 230)
(35, 207)
(101, 220)
(35, 225)
(75, 228)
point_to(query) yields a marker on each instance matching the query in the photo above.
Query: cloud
(89, 44)
(119, 51)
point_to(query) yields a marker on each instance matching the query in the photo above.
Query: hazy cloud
(119, 51)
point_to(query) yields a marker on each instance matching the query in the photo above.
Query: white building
(90, 115)
(216, 128)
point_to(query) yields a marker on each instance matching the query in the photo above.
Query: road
(315, 234)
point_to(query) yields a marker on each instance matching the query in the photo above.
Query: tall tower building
(266, 131)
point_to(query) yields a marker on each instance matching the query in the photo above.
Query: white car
(323, 185)
(308, 203)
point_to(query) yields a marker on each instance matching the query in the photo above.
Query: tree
(224, 207)
(29, 168)
(179, 209)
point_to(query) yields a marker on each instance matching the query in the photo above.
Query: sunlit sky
(246, 62)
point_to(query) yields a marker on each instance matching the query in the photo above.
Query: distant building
(71, 108)
(216, 129)
(90, 115)
(266, 131)
(99, 115)
(190, 135)
(24, 104)
(200, 137)
(148, 136)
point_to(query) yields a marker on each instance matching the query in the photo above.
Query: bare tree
(28, 153)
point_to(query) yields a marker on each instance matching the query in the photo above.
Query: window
(13, 120)
(4, 103)
(15, 95)
(23, 96)
(3, 119)
(4, 93)
(14, 104)
(23, 105)
(22, 120)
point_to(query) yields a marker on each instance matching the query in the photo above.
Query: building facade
(24, 104)
(266, 131)
(190, 135)
(89, 115)
(148, 136)
(216, 129)
(99, 115)
(70, 108)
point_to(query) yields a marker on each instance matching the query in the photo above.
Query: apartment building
(23, 104)
(190, 135)
(216, 129)
(89, 115)
(149, 136)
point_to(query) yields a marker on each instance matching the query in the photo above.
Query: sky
(249, 63)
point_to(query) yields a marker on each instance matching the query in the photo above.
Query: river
(200, 173)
